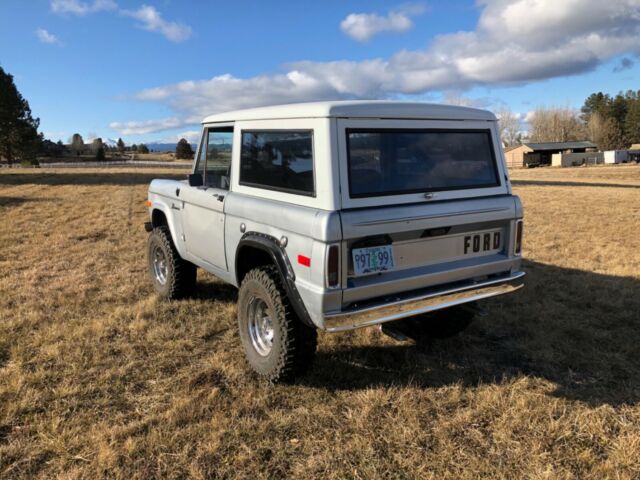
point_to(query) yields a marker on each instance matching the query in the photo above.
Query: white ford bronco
(340, 215)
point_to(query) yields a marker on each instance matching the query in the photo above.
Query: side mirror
(195, 180)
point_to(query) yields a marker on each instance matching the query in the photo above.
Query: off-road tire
(181, 275)
(294, 343)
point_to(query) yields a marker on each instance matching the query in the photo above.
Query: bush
(33, 162)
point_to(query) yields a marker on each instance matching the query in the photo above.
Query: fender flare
(166, 210)
(271, 245)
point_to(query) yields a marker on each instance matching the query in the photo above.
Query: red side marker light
(303, 260)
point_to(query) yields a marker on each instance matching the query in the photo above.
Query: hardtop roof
(355, 109)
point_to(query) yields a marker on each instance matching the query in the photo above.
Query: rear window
(281, 160)
(393, 162)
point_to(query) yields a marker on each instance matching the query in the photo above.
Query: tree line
(21, 142)
(611, 122)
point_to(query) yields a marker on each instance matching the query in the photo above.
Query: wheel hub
(260, 326)
(160, 267)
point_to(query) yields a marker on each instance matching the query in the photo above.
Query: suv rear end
(428, 219)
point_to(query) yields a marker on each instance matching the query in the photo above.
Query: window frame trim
(204, 143)
(279, 189)
(487, 131)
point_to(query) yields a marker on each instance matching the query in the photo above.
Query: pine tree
(77, 144)
(19, 139)
(100, 157)
(97, 145)
(120, 145)
(632, 121)
(184, 150)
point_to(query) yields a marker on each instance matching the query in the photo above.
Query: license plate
(482, 242)
(372, 259)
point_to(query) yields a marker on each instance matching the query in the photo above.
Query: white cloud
(363, 26)
(45, 37)
(148, 126)
(515, 42)
(191, 136)
(78, 7)
(150, 19)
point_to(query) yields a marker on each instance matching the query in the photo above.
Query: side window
(215, 157)
(278, 160)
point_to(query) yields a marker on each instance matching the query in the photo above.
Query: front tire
(278, 346)
(172, 277)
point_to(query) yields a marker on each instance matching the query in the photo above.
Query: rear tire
(172, 277)
(278, 346)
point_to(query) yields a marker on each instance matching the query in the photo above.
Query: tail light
(518, 246)
(333, 266)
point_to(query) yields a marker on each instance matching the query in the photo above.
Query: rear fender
(279, 257)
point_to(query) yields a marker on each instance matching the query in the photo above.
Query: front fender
(172, 215)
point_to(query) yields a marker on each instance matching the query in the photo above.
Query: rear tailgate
(430, 244)
(425, 203)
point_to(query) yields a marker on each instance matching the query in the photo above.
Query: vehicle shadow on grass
(94, 177)
(17, 201)
(215, 290)
(576, 329)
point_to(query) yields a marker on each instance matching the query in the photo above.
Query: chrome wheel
(160, 267)
(260, 326)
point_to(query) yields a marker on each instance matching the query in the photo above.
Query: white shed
(616, 156)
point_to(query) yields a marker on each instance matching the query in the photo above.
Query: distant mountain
(165, 147)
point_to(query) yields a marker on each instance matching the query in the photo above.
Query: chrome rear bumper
(427, 301)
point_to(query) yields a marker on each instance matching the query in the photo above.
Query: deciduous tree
(509, 126)
(555, 124)
(612, 136)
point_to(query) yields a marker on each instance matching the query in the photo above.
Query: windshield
(394, 161)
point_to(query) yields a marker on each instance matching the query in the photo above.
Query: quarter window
(281, 160)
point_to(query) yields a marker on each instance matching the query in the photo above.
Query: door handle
(218, 197)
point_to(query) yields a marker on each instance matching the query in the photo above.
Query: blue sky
(150, 70)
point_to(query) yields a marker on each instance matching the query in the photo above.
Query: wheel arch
(161, 216)
(257, 249)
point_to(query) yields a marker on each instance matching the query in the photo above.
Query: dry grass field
(99, 378)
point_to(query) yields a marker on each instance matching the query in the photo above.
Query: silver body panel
(427, 235)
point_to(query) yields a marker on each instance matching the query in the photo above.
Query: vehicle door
(203, 214)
